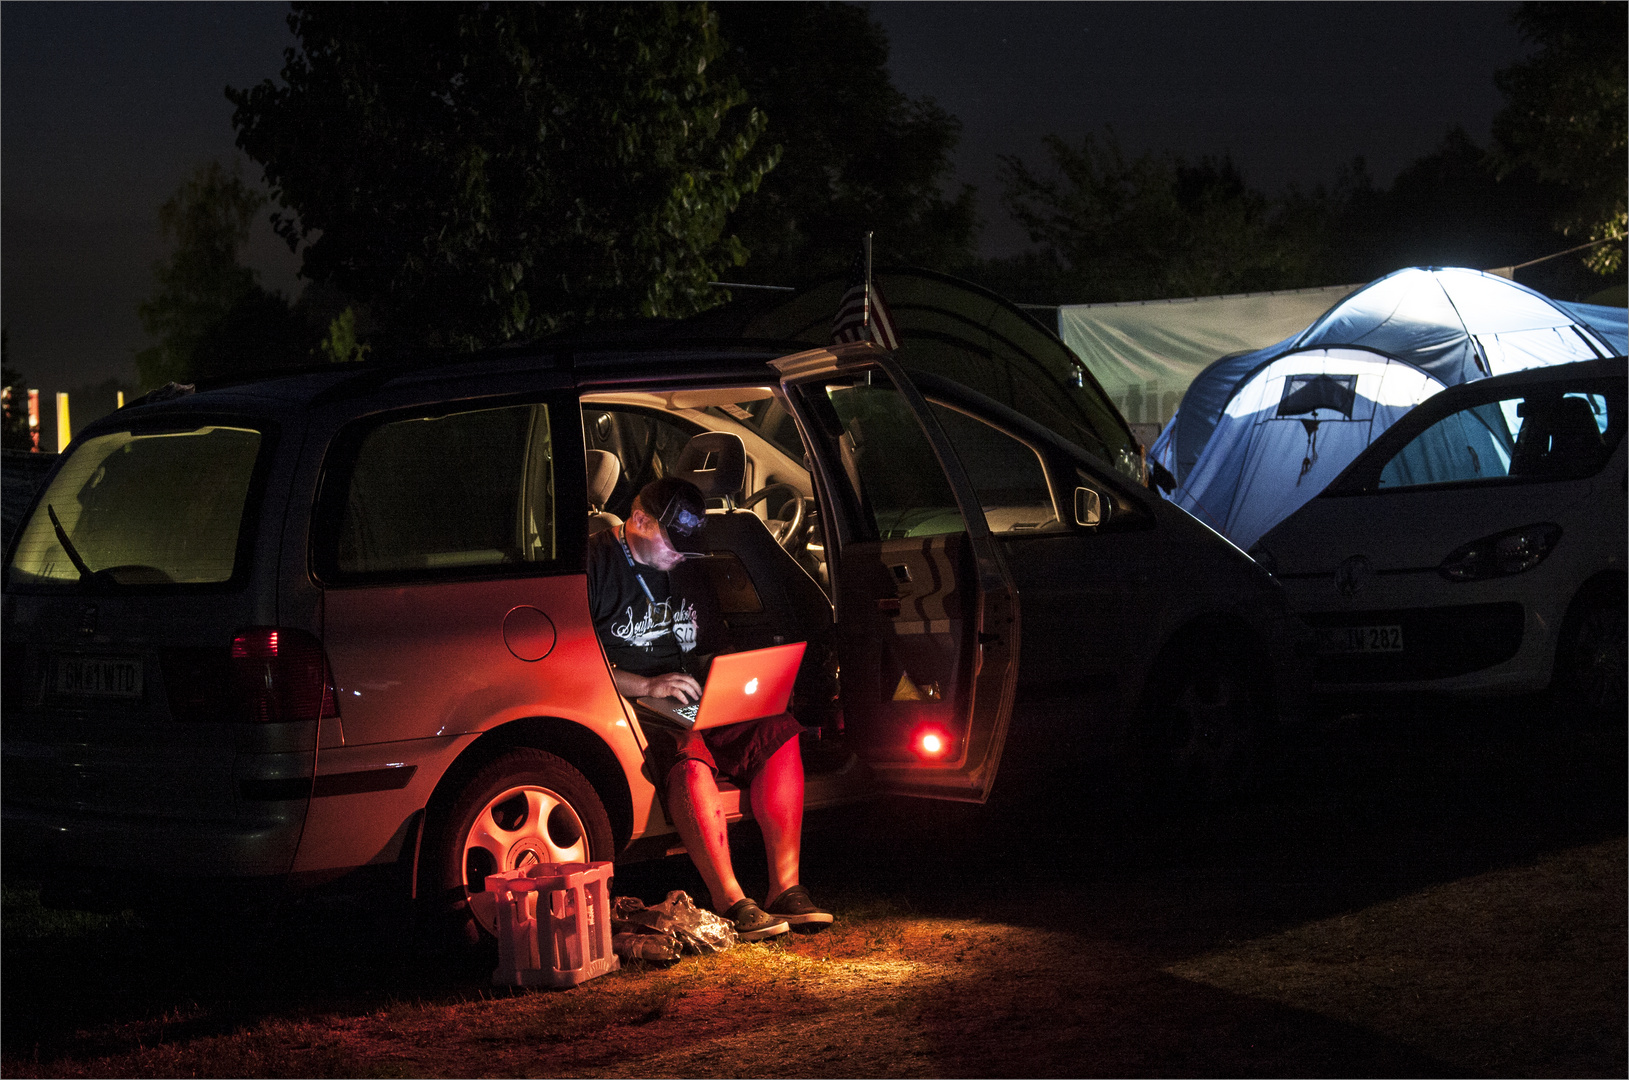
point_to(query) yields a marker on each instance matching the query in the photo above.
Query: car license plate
(98, 676)
(1336, 640)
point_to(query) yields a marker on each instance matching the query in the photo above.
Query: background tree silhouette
(1566, 117)
(856, 153)
(1110, 227)
(208, 311)
(474, 174)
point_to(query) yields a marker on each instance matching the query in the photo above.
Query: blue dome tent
(1290, 429)
(1451, 325)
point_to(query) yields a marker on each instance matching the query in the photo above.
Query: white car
(1477, 547)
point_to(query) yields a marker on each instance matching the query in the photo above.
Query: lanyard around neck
(622, 538)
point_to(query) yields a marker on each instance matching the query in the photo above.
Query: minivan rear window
(142, 508)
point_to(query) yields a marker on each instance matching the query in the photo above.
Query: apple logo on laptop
(752, 686)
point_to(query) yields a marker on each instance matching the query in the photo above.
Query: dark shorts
(734, 752)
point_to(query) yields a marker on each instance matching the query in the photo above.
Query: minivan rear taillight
(281, 674)
(266, 673)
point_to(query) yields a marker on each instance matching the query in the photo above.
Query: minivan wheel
(1204, 726)
(525, 807)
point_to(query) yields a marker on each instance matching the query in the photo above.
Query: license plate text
(1359, 639)
(98, 676)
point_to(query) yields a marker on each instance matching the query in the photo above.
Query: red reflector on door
(931, 743)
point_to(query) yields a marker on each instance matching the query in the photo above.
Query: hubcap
(1601, 659)
(1210, 723)
(521, 827)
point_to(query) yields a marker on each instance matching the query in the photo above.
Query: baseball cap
(676, 503)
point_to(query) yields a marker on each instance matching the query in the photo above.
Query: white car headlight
(1503, 553)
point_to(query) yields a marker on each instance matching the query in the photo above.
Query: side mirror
(1088, 507)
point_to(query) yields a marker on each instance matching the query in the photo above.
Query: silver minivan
(293, 628)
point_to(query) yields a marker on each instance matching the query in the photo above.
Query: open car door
(927, 613)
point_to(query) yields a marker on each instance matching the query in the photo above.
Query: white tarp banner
(1145, 353)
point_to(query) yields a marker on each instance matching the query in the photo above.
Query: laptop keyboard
(688, 711)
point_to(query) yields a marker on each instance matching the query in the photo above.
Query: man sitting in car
(651, 622)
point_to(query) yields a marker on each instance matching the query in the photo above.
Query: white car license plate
(1336, 640)
(98, 676)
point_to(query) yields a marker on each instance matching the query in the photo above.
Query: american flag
(862, 315)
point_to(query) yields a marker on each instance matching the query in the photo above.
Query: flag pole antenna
(867, 315)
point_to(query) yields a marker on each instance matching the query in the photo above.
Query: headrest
(604, 470)
(716, 462)
(1575, 417)
(1565, 416)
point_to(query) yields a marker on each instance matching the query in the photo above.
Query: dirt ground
(1418, 891)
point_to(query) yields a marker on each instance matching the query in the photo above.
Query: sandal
(795, 907)
(752, 923)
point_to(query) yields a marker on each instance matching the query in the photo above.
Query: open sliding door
(927, 614)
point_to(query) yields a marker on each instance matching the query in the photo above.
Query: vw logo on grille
(1352, 575)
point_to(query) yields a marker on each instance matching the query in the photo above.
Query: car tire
(1206, 723)
(1592, 659)
(525, 806)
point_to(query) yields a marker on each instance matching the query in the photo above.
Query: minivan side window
(447, 492)
(889, 461)
(1006, 473)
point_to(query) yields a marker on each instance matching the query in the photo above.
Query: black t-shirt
(647, 635)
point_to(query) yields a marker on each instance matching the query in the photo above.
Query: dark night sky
(107, 106)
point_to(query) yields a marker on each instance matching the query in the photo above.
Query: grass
(1499, 973)
(1406, 901)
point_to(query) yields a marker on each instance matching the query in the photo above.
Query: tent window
(1304, 394)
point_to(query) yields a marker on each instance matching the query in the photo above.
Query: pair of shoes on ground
(791, 908)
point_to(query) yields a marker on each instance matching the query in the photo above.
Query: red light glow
(932, 742)
(282, 674)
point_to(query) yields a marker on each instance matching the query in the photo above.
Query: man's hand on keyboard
(674, 684)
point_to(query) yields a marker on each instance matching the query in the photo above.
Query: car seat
(765, 598)
(604, 470)
(1558, 438)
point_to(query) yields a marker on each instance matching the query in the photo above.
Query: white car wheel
(1592, 663)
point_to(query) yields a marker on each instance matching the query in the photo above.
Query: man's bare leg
(692, 799)
(777, 803)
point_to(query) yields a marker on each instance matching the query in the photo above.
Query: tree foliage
(1109, 228)
(1450, 208)
(1566, 114)
(1112, 227)
(856, 153)
(474, 173)
(202, 285)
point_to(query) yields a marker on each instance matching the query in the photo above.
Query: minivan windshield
(142, 508)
